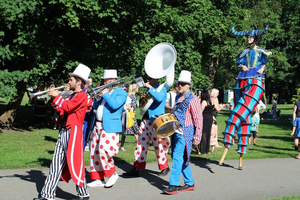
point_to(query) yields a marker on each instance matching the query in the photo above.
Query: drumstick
(241, 162)
(223, 156)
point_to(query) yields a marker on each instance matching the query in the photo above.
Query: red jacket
(75, 108)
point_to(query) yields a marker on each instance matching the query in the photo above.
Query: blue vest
(189, 131)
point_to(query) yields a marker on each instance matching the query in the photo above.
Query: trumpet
(64, 94)
(95, 91)
(45, 92)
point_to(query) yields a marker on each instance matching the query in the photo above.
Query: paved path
(259, 179)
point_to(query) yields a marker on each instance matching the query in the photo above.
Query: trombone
(94, 91)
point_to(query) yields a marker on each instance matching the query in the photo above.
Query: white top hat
(185, 77)
(110, 73)
(82, 72)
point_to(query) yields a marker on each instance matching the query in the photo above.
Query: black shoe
(186, 188)
(81, 198)
(133, 172)
(164, 172)
(172, 189)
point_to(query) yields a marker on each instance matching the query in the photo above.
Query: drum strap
(173, 111)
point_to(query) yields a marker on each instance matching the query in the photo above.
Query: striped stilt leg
(247, 93)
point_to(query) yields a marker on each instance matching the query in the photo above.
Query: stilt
(223, 156)
(241, 162)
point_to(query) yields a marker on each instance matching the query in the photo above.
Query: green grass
(285, 198)
(27, 147)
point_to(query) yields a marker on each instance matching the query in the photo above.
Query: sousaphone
(160, 62)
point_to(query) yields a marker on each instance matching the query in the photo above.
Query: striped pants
(58, 163)
(247, 94)
(161, 147)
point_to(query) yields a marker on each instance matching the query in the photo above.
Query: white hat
(110, 73)
(185, 77)
(82, 72)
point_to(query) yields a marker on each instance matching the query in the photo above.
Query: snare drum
(165, 125)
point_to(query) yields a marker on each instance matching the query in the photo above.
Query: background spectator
(217, 107)
(170, 102)
(132, 91)
(295, 111)
(207, 108)
(40, 108)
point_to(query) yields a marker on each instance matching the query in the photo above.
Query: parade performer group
(105, 120)
(189, 114)
(147, 135)
(248, 91)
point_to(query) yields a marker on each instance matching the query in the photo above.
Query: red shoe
(186, 188)
(172, 189)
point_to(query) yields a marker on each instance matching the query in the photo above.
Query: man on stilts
(248, 91)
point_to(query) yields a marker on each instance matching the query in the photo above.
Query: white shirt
(99, 113)
(128, 102)
(171, 99)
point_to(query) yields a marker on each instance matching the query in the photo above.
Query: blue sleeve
(241, 61)
(115, 101)
(158, 96)
(295, 122)
(264, 59)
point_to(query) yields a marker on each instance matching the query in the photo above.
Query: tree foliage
(42, 41)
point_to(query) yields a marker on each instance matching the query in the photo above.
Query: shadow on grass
(262, 148)
(50, 139)
(283, 138)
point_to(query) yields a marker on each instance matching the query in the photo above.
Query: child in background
(253, 128)
(296, 132)
(214, 135)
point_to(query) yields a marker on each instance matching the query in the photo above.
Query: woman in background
(217, 107)
(207, 108)
(134, 130)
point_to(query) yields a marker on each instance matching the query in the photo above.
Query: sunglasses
(182, 84)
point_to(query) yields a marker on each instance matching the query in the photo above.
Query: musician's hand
(195, 142)
(99, 95)
(53, 93)
(147, 85)
(244, 68)
(105, 90)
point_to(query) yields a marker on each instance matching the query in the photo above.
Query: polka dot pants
(161, 147)
(103, 147)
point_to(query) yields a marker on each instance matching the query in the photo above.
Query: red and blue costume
(248, 91)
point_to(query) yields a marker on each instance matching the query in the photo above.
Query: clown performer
(68, 161)
(248, 91)
(146, 134)
(189, 114)
(105, 138)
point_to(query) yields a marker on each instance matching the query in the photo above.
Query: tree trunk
(213, 67)
(8, 117)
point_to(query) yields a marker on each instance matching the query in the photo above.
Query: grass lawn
(28, 147)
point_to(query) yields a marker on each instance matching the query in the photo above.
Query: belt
(99, 121)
